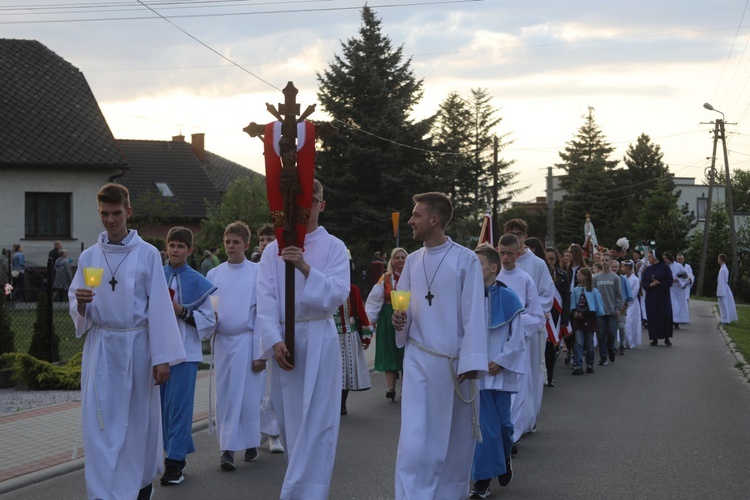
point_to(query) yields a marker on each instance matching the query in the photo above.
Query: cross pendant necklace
(429, 282)
(113, 282)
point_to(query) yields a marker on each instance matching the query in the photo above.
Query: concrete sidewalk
(38, 444)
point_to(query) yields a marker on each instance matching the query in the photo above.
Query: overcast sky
(646, 67)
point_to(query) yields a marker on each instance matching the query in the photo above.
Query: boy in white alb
(506, 344)
(532, 319)
(196, 321)
(132, 338)
(727, 309)
(237, 350)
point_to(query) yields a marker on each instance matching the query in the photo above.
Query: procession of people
(474, 348)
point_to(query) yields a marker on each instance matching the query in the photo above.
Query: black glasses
(315, 201)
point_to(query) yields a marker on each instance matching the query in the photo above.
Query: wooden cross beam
(289, 186)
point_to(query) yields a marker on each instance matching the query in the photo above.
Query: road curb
(742, 365)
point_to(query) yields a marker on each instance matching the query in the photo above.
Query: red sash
(305, 175)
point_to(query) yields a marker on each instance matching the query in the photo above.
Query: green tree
(40, 340)
(151, 208)
(718, 242)
(659, 218)
(590, 184)
(246, 201)
(379, 157)
(740, 188)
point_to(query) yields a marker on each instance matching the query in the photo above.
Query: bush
(40, 341)
(41, 375)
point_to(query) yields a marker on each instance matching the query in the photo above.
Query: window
(701, 209)
(47, 215)
(164, 189)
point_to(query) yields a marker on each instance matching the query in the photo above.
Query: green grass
(22, 323)
(740, 331)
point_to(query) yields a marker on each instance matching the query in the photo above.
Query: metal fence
(33, 308)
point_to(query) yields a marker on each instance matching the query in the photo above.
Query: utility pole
(550, 210)
(495, 182)
(719, 133)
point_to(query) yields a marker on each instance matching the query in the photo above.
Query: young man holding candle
(307, 395)
(445, 342)
(132, 339)
(196, 321)
(237, 350)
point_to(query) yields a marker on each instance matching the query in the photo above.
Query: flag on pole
(486, 235)
(555, 329)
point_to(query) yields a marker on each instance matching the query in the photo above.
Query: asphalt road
(659, 423)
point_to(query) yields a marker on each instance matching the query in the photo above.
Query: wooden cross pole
(290, 188)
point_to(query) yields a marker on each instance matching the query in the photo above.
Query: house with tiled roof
(173, 182)
(56, 151)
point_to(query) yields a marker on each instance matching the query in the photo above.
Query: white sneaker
(274, 445)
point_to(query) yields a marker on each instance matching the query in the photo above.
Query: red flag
(305, 175)
(486, 235)
(555, 330)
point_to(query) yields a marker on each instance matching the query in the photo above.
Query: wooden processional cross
(292, 218)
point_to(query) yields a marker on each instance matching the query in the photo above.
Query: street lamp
(711, 108)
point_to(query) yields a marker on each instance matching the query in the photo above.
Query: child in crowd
(532, 319)
(506, 344)
(237, 350)
(196, 321)
(585, 307)
(608, 284)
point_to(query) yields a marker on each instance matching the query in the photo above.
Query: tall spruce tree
(379, 158)
(589, 182)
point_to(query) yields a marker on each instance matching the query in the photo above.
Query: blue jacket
(594, 298)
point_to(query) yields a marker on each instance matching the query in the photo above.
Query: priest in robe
(680, 280)
(657, 280)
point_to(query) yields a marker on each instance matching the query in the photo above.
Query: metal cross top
(289, 177)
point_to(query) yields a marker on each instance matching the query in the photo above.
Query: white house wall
(85, 224)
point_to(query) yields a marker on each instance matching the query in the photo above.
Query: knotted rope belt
(475, 430)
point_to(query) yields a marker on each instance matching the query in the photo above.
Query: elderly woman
(388, 357)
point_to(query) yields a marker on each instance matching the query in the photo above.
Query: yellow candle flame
(93, 276)
(400, 300)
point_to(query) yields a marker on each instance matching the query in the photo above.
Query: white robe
(236, 345)
(680, 310)
(436, 444)
(691, 280)
(539, 272)
(727, 309)
(633, 327)
(522, 403)
(130, 330)
(307, 399)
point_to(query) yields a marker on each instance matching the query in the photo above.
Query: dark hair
(536, 246)
(518, 224)
(558, 258)
(115, 194)
(667, 256)
(490, 252)
(508, 240)
(180, 234)
(265, 230)
(588, 278)
(723, 257)
(437, 203)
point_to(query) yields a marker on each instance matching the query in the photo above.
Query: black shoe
(603, 362)
(654, 342)
(343, 410)
(578, 371)
(391, 394)
(227, 461)
(676, 327)
(567, 358)
(481, 489)
(172, 473)
(589, 369)
(622, 350)
(514, 449)
(251, 454)
(612, 355)
(146, 492)
(504, 479)
(667, 342)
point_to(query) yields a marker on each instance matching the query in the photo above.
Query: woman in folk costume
(388, 357)
(354, 337)
(727, 309)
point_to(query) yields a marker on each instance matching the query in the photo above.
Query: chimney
(198, 145)
(178, 138)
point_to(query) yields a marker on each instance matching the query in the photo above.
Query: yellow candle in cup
(400, 299)
(93, 276)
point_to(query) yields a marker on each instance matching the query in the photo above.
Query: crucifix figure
(289, 178)
(113, 282)
(429, 297)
